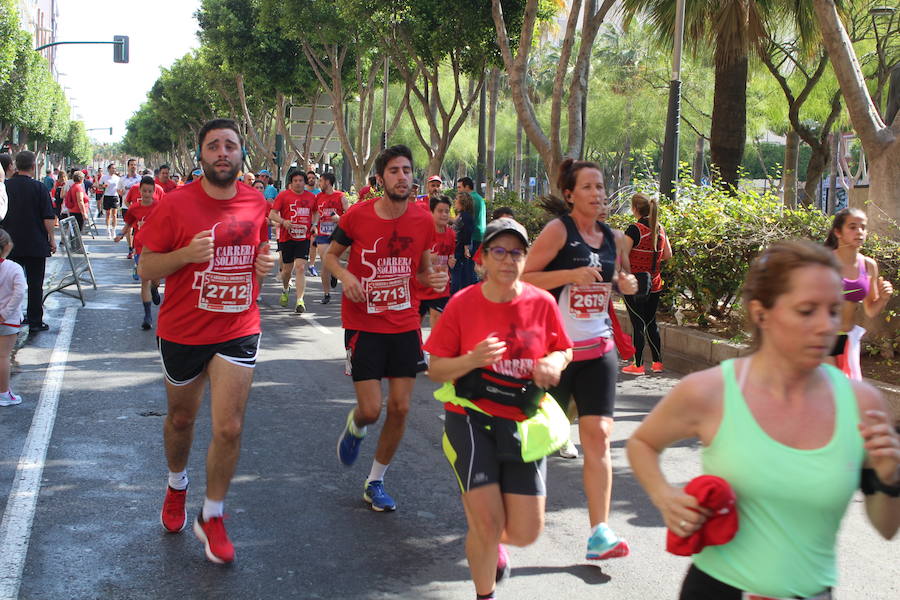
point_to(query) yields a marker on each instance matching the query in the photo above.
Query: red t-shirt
(329, 205)
(364, 191)
(441, 250)
(209, 303)
(167, 186)
(70, 200)
(298, 209)
(137, 217)
(530, 325)
(134, 195)
(384, 256)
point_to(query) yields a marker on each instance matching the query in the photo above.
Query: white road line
(312, 320)
(15, 529)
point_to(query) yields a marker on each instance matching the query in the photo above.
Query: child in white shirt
(12, 292)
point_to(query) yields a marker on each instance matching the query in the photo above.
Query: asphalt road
(297, 518)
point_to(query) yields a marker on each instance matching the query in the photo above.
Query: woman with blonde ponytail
(647, 246)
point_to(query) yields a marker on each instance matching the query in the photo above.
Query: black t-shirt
(29, 206)
(634, 233)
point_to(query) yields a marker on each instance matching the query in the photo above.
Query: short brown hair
(769, 275)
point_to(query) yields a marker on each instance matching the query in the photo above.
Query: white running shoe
(10, 399)
(569, 450)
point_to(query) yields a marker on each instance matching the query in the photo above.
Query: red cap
(436, 178)
(84, 171)
(715, 494)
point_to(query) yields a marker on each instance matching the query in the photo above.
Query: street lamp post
(669, 169)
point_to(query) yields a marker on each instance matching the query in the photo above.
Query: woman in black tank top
(575, 258)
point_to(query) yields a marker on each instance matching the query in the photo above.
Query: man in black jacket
(29, 221)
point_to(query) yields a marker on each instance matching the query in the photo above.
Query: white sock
(178, 481)
(213, 508)
(377, 472)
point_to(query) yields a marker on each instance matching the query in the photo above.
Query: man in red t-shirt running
(332, 204)
(296, 212)
(164, 181)
(389, 244)
(209, 242)
(135, 219)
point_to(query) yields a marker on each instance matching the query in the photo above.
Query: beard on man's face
(221, 179)
(397, 196)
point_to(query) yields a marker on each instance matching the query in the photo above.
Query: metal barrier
(79, 263)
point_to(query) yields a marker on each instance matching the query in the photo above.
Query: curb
(687, 350)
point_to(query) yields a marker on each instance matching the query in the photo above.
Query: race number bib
(326, 227)
(225, 292)
(387, 294)
(589, 301)
(298, 231)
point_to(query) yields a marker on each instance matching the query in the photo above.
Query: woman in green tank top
(788, 433)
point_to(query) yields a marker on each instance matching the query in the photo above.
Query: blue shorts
(323, 239)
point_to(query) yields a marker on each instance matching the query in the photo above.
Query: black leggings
(700, 586)
(642, 311)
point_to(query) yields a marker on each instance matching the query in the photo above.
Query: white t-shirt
(112, 184)
(126, 182)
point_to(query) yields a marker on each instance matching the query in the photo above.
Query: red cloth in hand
(622, 339)
(715, 494)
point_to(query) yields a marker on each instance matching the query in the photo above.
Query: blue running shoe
(604, 544)
(348, 444)
(378, 498)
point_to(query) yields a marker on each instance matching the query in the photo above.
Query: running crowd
(520, 329)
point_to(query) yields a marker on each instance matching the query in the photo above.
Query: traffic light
(278, 155)
(120, 48)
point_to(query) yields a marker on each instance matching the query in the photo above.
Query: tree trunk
(791, 161)
(728, 129)
(490, 167)
(818, 162)
(880, 142)
(699, 156)
(517, 162)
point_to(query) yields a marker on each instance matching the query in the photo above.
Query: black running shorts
(292, 250)
(472, 452)
(437, 304)
(592, 383)
(183, 363)
(110, 202)
(379, 355)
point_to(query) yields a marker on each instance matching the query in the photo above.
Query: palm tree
(733, 28)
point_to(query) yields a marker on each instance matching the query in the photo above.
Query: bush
(529, 214)
(714, 238)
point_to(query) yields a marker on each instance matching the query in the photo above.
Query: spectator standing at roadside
(48, 180)
(29, 222)
(110, 185)
(647, 246)
(463, 273)
(465, 184)
(75, 199)
(12, 292)
(5, 171)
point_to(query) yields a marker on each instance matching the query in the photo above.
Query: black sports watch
(870, 483)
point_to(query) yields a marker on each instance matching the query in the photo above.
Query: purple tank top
(856, 290)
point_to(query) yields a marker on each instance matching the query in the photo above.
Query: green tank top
(790, 502)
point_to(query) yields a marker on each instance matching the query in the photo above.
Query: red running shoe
(633, 370)
(219, 548)
(173, 516)
(657, 367)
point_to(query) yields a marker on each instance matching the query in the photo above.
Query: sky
(105, 94)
